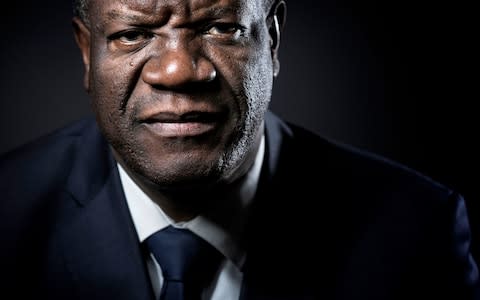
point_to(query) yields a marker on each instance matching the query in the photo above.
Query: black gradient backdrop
(395, 78)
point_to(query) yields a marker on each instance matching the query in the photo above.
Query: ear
(277, 18)
(82, 37)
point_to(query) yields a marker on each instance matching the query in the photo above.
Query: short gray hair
(80, 9)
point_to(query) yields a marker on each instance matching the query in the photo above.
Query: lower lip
(187, 129)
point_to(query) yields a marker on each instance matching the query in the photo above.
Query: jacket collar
(100, 244)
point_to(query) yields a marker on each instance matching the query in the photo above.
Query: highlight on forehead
(141, 12)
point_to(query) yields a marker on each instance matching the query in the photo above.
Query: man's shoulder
(306, 152)
(363, 205)
(47, 145)
(46, 157)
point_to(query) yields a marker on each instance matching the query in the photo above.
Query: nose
(177, 66)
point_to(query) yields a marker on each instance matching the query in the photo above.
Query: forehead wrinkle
(217, 12)
(137, 14)
(146, 11)
(216, 9)
(228, 6)
(199, 4)
(130, 17)
(152, 11)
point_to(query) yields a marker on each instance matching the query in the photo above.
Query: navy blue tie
(188, 262)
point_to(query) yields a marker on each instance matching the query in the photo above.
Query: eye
(230, 31)
(129, 38)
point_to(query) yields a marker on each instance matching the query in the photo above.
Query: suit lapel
(279, 256)
(101, 247)
(252, 288)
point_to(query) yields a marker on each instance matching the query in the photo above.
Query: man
(187, 156)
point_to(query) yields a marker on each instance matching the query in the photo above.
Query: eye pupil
(133, 35)
(226, 28)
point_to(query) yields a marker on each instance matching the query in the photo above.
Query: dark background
(394, 78)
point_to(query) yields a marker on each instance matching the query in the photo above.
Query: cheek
(259, 76)
(256, 83)
(109, 94)
(248, 74)
(109, 91)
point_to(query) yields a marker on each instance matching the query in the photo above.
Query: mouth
(190, 124)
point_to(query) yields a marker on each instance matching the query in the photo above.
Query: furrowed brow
(130, 17)
(135, 17)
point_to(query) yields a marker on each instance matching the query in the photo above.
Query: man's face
(179, 88)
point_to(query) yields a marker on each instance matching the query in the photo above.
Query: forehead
(151, 7)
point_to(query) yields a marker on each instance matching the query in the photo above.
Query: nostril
(176, 68)
(205, 70)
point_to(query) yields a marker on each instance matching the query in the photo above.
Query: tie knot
(183, 256)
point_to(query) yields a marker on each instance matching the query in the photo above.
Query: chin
(185, 176)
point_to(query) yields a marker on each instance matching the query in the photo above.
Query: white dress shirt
(148, 218)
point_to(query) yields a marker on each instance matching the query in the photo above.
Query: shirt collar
(149, 218)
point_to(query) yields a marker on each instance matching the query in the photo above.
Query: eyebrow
(128, 17)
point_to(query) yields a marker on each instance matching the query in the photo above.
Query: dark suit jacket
(328, 222)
